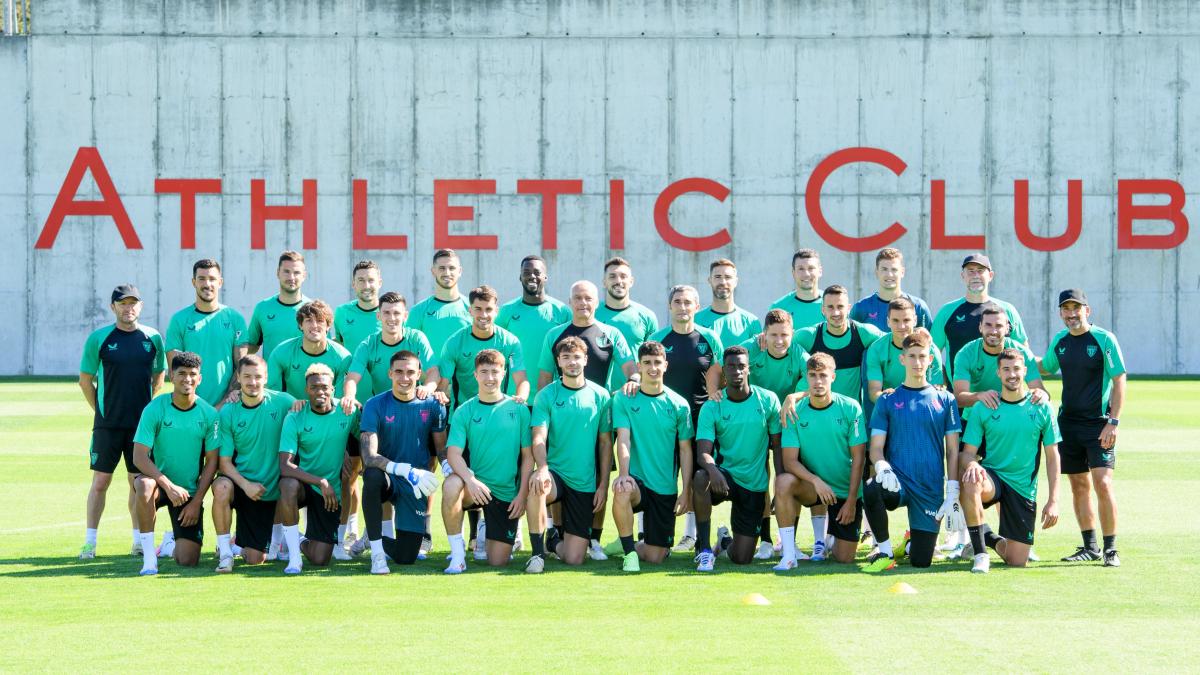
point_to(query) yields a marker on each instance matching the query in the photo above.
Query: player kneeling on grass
(175, 451)
(496, 479)
(738, 429)
(824, 451)
(1016, 433)
(312, 452)
(912, 429)
(401, 432)
(572, 448)
(249, 461)
(652, 426)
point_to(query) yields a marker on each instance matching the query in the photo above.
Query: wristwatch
(1114, 421)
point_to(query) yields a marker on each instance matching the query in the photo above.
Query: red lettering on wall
(616, 214)
(360, 238)
(1040, 243)
(549, 190)
(65, 204)
(187, 189)
(260, 213)
(669, 234)
(938, 239)
(1172, 211)
(812, 199)
(443, 213)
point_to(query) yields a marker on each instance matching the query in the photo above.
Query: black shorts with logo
(190, 532)
(109, 446)
(496, 523)
(659, 518)
(322, 524)
(576, 508)
(254, 520)
(1018, 515)
(746, 506)
(843, 532)
(1080, 449)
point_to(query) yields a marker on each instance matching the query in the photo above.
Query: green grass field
(62, 614)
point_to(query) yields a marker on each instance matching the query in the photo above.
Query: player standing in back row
(732, 324)
(635, 321)
(214, 332)
(957, 322)
(274, 319)
(804, 303)
(873, 309)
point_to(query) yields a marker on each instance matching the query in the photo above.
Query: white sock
(429, 520)
(819, 525)
(689, 525)
(376, 547)
(223, 545)
(168, 536)
(352, 524)
(137, 536)
(641, 523)
(89, 536)
(549, 521)
(885, 547)
(458, 548)
(291, 533)
(277, 533)
(149, 557)
(235, 549)
(389, 529)
(341, 533)
(787, 537)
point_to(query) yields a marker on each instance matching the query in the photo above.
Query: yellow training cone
(757, 599)
(901, 588)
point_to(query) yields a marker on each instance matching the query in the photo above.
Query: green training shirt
(530, 323)
(804, 313)
(825, 436)
(495, 433)
(573, 418)
(882, 364)
(656, 424)
(353, 324)
(213, 336)
(1015, 434)
(778, 376)
(251, 437)
(373, 360)
(457, 359)
(178, 438)
(636, 322)
(978, 368)
(272, 322)
(289, 362)
(319, 441)
(733, 328)
(741, 431)
(439, 319)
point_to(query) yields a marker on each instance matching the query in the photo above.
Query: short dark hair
(185, 360)
(484, 292)
(901, 304)
(615, 261)
(489, 357)
(835, 289)
(721, 262)
(777, 316)
(918, 338)
(290, 256)
(806, 253)
(1010, 354)
(993, 309)
(820, 361)
(532, 258)
(651, 348)
(569, 344)
(317, 309)
(444, 253)
(392, 297)
(889, 254)
(205, 264)
(250, 360)
(365, 265)
(403, 354)
(735, 350)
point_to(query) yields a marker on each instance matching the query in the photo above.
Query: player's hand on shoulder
(298, 405)
(990, 399)
(349, 403)
(630, 388)
(1039, 396)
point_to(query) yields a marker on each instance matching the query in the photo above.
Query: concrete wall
(752, 94)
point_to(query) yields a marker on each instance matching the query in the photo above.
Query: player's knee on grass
(187, 553)
(653, 554)
(318, 553)
(253, 556)
(920, 548)
(404, 547)
(742, 550)
(572, 550)
(498, 554)
(844, 551)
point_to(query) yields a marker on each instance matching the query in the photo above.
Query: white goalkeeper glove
(446, 470)
(886, 477)
(951, 510)
(422, 482)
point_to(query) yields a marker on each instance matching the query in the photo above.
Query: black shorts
(109, 446)
(497, 525)
(322, 524)
(1080, 449)
(843, 532)
(659, 517)
(576, 508)
(191, 533)
(254, 520)
(1018, 515)
(352, 448)
(746, 507)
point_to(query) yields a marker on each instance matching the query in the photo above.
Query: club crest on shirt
(1091, 350)
(343, 424)
(512, 415)
(872, 315)
(388, 419)
(424, 415)
(702, 348)
(146, 345)
(603, 342)
(270, 317)
(274, 414)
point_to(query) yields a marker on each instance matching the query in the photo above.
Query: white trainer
(456, 567)
(982, 564)
(705, 560)
(535, 565)
(340, 553)
(479, 552)
(166, 549)
(785, 565)
(225, 565)
(818, 554)
(379, 564)
(595, 551)
(686, 543)
(765, 551)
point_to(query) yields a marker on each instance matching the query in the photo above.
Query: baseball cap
(1072, 295)
(125, 291)
(978, 259)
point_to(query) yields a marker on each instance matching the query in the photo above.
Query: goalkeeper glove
(422, 482)
(951, 510)
(886, 477)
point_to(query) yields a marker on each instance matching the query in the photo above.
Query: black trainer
(1084, 554)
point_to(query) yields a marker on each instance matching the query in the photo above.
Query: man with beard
(957, 322)
(732, 324)
(531, 316)
(445, 312)
(635, 321)
(803, 303)
(354, 321)
(274, 319)
(457, 360)
(215, 332)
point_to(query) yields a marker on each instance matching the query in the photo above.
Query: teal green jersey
(847, 350)
(976, 367)
(530, 323)
(804, 313)
(353, 324)
(741, 431)
(213, 336)
(882, 364)
(289, 362)
(636, 322)
(319, 441)
(373, 360)
(1089, 362)
(179, 438)
(439, 319)
(656, 424)
(1015, 434)
(777, 375)
(272, 322)
(824, 437)
(495, 433)
(250, 435)
(573, 418)
(733, 328)
(457, 360)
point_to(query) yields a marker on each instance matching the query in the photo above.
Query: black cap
(978, 259)
(125, 291)
(1072, 295)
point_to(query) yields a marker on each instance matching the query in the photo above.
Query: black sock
(1110, 542)
(976, 539)
(1089, 539)
(641, 536)
(765, 529)
(726, 543)
(702, 542)
(553, 539)
(538, 541)
(596, 532)
(989, 537)
(473, 521)
(627, 544)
